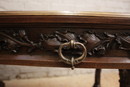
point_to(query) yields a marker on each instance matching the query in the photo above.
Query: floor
(109, 79)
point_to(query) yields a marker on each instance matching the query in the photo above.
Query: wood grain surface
(48, 22)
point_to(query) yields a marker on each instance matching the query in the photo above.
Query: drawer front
(74, 40)
(47, 41)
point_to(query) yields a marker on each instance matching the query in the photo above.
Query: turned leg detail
(122, 75)
(127, 78)
(97, 78)
(2, 84)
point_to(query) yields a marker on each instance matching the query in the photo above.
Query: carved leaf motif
(124, 42)
(95, 43)
(90, 40)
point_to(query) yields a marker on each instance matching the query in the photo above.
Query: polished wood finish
(64, 17)
(107, 14)
(114, 25)
(50, 61)
(97, 78)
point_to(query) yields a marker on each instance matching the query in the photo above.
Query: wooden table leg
(127, 78)
(97, 78)
(123, 76)
(2, 84)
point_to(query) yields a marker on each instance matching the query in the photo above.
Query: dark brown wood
(65, 18)
(55, 17)
(127, 78)
(33, 39)
(50, 61)
(2, 84)
(97, 82)
(96, 44)
(123, 77)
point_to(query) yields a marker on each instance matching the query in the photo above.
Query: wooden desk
(86, 39)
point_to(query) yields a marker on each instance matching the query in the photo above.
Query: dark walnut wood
(97, 78)
(34, 38)
(2, 84)
(96, 44)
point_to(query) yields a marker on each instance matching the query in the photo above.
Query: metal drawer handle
(73, 61)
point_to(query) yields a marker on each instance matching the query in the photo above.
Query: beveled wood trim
(63, 19)
(47, 61)
(105, 14)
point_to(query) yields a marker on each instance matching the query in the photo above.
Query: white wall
(66, 5)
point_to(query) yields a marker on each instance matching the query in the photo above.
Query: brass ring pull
(72, 61)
